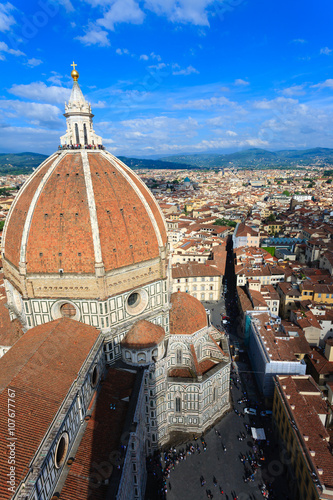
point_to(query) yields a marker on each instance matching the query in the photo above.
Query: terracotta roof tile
(16, 218)
(42, 353)
(94, 448)
(143, 334)
(187, 314)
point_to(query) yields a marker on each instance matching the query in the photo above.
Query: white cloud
(34, 62)
(186, 71)
(95, 36)
(5, 49)
(156, 130)
(38, 91)
(6, 19)
(36, 113)
(122, 52)
(158, 66)
(67, 4)
(144, 57)
(240, 82)
(99, 104)
(326, 51)
(326, 84)
(44, 141)
(293, 90)
(122, 11)
(182, 11)
(56, 78)
(299, 40)
(277, 103)
(231, 133)
(155, 56)
(211, 102)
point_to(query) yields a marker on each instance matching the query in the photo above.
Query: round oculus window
(61, 450)
(136, 302)
(134, 299)
(67, 310)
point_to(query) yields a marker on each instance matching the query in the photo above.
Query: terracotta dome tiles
(60, 234)
(187, 314)
(150, 200)
(18, 215)
(143, 334)
(127, 234)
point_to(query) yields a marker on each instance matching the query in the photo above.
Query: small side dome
(187, 314)
(143, 335)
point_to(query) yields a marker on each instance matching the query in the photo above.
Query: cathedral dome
(83, 215)
(143, 334)
(187, 314)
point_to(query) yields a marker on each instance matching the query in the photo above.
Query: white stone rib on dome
(138, 192)
(23, 188)
(143, 185)
(31, 210)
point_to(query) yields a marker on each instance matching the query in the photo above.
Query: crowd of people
(162, 464)
(80, 146)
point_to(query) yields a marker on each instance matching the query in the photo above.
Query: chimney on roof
(312, 453)
(306, 438)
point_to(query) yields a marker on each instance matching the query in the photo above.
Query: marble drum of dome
(83, 227)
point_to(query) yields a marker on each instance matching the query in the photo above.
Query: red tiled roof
(305, 415)
(40, 368)
(190, 269)
(180, 373)
(319, 363)
(187, 314)
(143, 334)
(101, 437)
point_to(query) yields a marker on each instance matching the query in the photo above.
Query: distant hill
(21, 163)
(154, 164)
(256, 158)
(24, 163)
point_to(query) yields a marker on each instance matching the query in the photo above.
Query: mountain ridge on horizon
(25, 162)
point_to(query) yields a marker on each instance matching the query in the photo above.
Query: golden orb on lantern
(74, 73)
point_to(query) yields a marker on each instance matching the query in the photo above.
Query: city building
(273, 350)
(202, 281)
(245, 236)
(300, 417)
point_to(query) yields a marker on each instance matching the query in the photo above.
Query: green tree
(286, 192)
(225, 222)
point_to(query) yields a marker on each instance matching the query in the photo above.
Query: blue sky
(169, 76)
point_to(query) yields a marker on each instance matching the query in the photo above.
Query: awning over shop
(258, 434)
